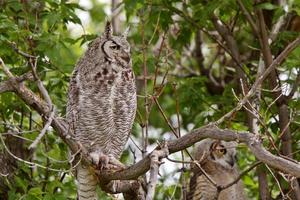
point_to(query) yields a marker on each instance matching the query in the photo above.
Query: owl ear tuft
(108, 29)
(125, 34)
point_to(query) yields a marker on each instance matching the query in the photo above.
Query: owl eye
(115, 47)
(222, 151)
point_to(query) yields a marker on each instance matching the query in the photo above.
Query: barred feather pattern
(205, 190)
(101, 106)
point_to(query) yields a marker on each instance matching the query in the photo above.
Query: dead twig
(155, 162)
(43, 131)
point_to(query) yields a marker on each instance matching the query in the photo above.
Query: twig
(241, 175)
(191, 21)
(40, 84)
(17, 50)
(145, 74)
(179, 161)
(165, 117)
(261, 78)
(206, 175)
(31, 164)
(248, 17)
(280, 189)
(155, 29)
(16, 135)
(44, 130)
(135, 144)
(278, 26)
(295, 86)
(155, 158)
(5, 69)
(184, 183)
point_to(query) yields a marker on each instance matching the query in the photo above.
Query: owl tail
(87, 183)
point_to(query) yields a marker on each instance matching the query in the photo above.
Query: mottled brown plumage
(218, 160)
(101, 104)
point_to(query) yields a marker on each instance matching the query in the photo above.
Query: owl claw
(116, 164)
(108, 162)
(103, 162)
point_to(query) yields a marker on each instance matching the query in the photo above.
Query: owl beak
(125, 57)
(231, 161)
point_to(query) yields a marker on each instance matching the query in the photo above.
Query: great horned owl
(218, 160)
(101, 104)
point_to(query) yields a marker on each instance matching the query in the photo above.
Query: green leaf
(267, 6)
(36, 191)
(21, 183)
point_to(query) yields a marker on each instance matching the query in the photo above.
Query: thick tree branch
(254, 144)
(132, 189)
(5, 87)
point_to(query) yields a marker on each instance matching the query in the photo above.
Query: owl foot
(115, 163)
(103, 162)
(107, 162)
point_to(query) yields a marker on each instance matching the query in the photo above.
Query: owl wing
(193, 183)
(72, 104)
(200, 188)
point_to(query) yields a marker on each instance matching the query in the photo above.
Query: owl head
(115, 49)
(217, 151)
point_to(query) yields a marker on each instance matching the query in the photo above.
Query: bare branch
(132, 189)
(295, 86)
(44, 130)
(248, 17)
(5, 87)
(261, 78)
(31, 164)
(241, 175)
(5, 69)
(253, 143)
(155, 157)
(40, 84)
(17, 50)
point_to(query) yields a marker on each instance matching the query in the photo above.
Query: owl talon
(103, 162)
(108, 162)
(116, 163)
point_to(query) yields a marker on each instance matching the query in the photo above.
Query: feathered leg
(87, 183)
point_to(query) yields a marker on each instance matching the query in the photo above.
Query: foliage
(42, 28)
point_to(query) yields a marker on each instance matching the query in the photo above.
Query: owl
(218, 160)
(101, 105)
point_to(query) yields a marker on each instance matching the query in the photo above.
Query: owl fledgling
(101, 104)
(218, 160)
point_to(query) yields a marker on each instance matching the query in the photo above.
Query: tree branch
(280, 58)
(254, 144)
(248, 17)
(155, 157)
(5, 87)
